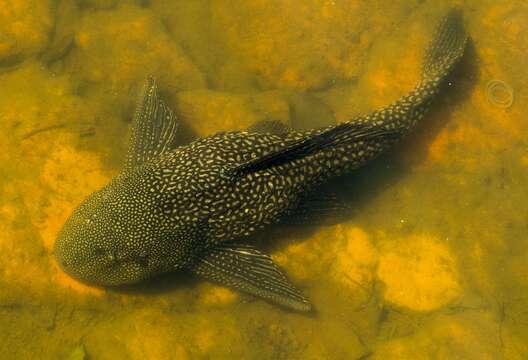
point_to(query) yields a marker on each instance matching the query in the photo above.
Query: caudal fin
(446, 48)
(340, 148)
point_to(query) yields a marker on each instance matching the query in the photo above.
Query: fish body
(196, 207)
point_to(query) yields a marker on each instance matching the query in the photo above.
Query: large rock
(207, 111)
(301, 45)
(419, 273)
(473, 334)
(67, 15)
(25, 29)
(45, 174)
(116, 50)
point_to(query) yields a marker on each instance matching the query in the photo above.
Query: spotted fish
(195, 207)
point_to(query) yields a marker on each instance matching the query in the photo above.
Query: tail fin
(363, 138)
(446, 48)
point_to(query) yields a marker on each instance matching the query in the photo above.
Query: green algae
(451, 199)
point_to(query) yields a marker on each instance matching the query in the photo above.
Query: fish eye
(142, 258)
(98, 251)
(111, 256)
(90, 220)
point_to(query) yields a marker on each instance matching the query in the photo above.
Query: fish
(196, 207)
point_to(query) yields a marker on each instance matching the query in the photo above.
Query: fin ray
(318, 208)
(447, 46)
(245, 268)
(154, 126)
(307, 146)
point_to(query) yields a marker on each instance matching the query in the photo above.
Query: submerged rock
(67, 15)
(302, 45)
(355, 258)
(212, 295)
(207, 111)
(25, 28)
(473, 334)
(39, 121)
(339, 259)
(419, 273)
(295, 45)
(116, 50)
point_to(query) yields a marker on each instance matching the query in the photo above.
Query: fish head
(98, 244)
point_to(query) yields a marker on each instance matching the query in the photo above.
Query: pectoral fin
(245, 268)
(319, 208)
(154, 126)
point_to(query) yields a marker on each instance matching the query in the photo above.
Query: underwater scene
(249, 215)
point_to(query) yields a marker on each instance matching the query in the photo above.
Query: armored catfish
(196, 207)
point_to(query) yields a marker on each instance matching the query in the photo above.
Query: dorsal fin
(153, 128)
(345, 132)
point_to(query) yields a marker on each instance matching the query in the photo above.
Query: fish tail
(441, 56)
(351, 144)
(446, 48)
(338, 149)
(443, 53)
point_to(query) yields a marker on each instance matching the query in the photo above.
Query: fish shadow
(161, 284)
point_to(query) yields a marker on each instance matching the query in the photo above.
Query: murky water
(429, 263)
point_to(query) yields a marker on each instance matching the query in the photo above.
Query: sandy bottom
(430, 262)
